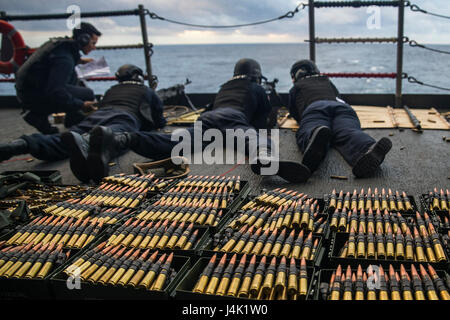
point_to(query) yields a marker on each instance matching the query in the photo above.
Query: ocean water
(208, 66)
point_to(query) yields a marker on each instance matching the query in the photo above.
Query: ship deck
(417, 162)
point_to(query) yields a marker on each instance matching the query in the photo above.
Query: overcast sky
(330, 22)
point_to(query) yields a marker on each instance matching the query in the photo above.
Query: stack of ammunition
(377, 284)
(344, 221)
(199, 205)
(112, 215)
(299, 213)
(439, 201)
(117, 265)
(275, 198)
(275, 279)
(394, 241)
(137, 181)
(394, 203)
(115, 195)
(142, 234)
(232, 184)
(70, 233)
(254, 241)
(439, 204)
(31, 261)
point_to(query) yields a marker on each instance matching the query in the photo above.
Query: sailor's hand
(85, 60)
(89, 106)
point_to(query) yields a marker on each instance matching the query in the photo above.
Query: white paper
(95, 68)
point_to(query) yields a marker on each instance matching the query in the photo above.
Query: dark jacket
(138, 100)
(247, 97)
(47, 79)
(308, 90)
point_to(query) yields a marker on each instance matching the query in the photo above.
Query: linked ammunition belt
(394, 239)
(398, 202)
(439, 201)
(115, 195)
(250, 241)
(198, 200)
(281, 209)
(378, 284)
(233, 184)
(34, 261)
(69, 233)
(143, 234)
(378, 222)
(119, 266)
(255, 278)
(137, 181)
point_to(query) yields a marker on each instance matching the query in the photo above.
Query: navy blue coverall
(114, 113)
(52, 86)
(240, 104)
(347, 136)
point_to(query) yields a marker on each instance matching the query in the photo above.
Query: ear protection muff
(83, 39)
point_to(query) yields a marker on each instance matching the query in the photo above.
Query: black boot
(288, 170)
(367, 164)
(317, 148)
(13, 148)
(78, 146)
(105, 145)
(40, 122)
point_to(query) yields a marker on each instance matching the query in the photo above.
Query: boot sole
(288, 170)
(369, 162)
(78, 163)
(316, 151)
(98, 165)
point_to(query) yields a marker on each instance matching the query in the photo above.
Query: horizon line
(247, 43)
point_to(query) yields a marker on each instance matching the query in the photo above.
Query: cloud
(330, 22)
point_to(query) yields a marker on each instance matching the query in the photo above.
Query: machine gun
(176, 95)
(275, 100)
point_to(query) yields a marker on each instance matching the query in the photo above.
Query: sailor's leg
(349, 139)
(153, 145)
(314, 134)
(46, 147)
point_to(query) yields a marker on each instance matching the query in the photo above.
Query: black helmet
(130, 72)
(250, 68)
(303, 68)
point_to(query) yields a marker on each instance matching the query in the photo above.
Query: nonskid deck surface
(416, 164)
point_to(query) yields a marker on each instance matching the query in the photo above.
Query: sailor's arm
(59, 76)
